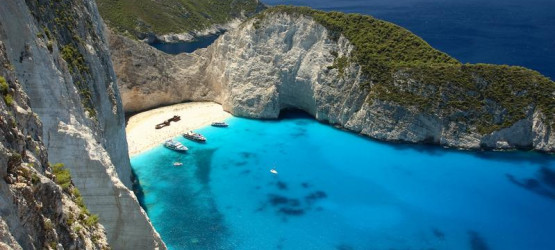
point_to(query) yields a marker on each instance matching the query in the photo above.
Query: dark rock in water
(294, 202)
(281, 185)
(277, 200)
(247, 155)
(315, 196)
(245, 172)
(439, 234)
(240, 163)
(476, 241)
(532, 185)
(305, 185)
(343, 247)
(291, 211)
(548, 176)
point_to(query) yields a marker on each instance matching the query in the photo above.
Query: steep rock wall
(290, 61)
(35, 213)
(59, 54)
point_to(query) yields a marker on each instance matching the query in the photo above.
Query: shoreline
(142, 136)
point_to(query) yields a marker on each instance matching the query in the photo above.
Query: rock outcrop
(289, 61)
(58, 51)
(35, 212)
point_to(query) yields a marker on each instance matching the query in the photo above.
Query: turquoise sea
(338, 190)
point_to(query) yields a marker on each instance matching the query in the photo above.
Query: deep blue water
(186, 47)
(338, 190)
(513, 32)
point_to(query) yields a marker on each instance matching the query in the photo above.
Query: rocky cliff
(57, 50)
(303, 59)
(35, 212)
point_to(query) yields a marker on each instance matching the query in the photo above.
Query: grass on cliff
(400, 67)
(171, 16)
(4, 87)
(63, 178)
(64, 25)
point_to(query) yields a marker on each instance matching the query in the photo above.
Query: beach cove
(142, 136)
(338, 190)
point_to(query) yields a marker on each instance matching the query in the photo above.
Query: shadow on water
(543, 185)
(430, 148)
(477, 242)
(344, 247)
(198, 224)
(440, 235)
(138, 190)
(203, 160)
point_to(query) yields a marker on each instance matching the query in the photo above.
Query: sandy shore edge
(142, 136)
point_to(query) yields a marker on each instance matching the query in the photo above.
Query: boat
(219, 124)
(167, 122)
(177, 164)
(273, 171)
(163, 124)
(175, 145)
(175, 118)
(194, 136)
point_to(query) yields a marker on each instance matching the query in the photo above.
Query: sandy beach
(142, 136)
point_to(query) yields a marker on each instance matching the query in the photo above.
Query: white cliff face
(35, 212)
(284, 64)
(149, 78)
(92, 146)
(283, 61)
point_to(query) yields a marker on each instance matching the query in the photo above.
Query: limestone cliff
(58, 52)
(283, 60)
(35, 212)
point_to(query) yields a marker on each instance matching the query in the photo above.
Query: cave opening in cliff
(291, 113)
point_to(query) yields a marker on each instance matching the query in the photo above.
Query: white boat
(175, 145)
(177, 164)
(219, 124)
(194, 136)
(273, 171)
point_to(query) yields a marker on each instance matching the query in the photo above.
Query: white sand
(142, 136)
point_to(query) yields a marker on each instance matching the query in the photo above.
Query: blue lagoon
(338, 190)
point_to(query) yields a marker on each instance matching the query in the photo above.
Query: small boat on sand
(167, 122)
(175, 145)
(220, 124)
(163, 124)
(194, 136)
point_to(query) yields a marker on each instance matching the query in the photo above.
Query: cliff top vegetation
(398, 66)
(139, 17)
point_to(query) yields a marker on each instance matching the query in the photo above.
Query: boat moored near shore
(175, 145)
(219, 124)
(194, 136)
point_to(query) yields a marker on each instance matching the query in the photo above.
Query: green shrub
(70, 219)
(63, 177)
(35, 179)
(48, 225)
(14, 160)
(74, 58)
(8, 99)
(392, 59)
(171, 16)
(92, 220)
(4, 87)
